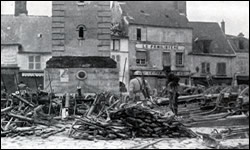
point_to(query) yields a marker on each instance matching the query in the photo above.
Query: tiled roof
(211, 31)
(80, 62)
(153, 13)
(234, 40)
(33, 33)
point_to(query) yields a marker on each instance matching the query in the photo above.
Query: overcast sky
(234, 13)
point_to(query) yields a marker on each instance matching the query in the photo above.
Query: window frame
(35, 62)
(114, 45)
(84, 29)
(218, 73)
(206, 68)
(163, 58)
(182, 59)
(138, 36)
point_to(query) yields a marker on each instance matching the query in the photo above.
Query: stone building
(212, 55)
(25, 47)
(81, 37)
(156, 39)
(81, 28)
(240, 66)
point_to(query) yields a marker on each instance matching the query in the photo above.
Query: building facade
(25, 47)
(81, 33)
(241, 61)
(81, 28)
(212, 56)
(156, 39)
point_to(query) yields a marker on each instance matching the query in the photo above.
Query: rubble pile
(128, 122)
(23, 118)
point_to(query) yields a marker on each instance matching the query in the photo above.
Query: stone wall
(97, 80)
(68, 15)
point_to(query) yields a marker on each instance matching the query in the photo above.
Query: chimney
(223, 26)
(21, 8)
(181, 6)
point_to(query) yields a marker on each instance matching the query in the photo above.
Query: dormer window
(203, 45)
(241, 44)
(81, 29)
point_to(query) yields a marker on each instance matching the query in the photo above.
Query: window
(204, 45)
(205, 68)
(81, 32)
(141, 58)
(115, 46)
(241, 44)
(34, 62)
(166, 59)
(221, 69)
(179, 59)
(138, 34)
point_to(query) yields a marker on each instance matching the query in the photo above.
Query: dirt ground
(61, 141)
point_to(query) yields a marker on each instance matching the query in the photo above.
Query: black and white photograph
(124, 74)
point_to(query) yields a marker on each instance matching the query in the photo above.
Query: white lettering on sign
(64, 75)
(160, 46)
(161, 73)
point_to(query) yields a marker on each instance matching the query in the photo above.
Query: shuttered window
(166, 59)
(221, 69)
(205, 68)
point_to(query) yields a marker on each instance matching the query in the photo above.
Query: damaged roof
(80, 62)
(211, 31)
(33, 33)
(153, 13)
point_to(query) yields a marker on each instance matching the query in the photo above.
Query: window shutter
(144, 34)
(203, 65)
(221, 69)
(208, 68)
(166, 59)
(140, 55)
(133, 33)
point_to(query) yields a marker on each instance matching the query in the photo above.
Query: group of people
(140, 90)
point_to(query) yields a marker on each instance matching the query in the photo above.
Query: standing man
(173, 85)
(136, 87)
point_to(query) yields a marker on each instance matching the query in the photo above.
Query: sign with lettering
(160, 46)
(161, 73)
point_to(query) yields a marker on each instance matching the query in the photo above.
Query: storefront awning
(32, 74)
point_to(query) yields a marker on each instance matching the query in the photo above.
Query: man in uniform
(173, 86)
(136, 87)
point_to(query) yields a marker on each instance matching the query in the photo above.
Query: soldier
(173, 85)
(136, 87)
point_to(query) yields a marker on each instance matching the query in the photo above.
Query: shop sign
(168, 47)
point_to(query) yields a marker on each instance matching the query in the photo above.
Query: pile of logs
(132, 121)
